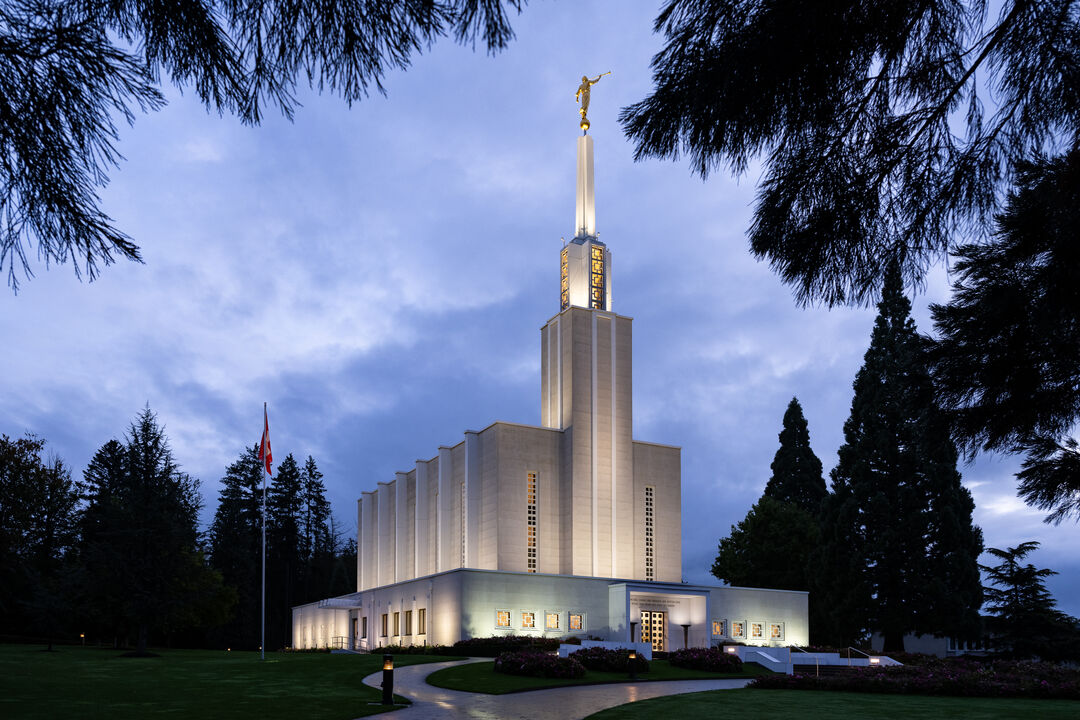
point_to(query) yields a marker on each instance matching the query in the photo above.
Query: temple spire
(585, 218)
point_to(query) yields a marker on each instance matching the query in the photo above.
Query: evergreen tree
(898, 534)
(139, 537)
(284, 504)
(236, 545)
(318, 544)
(796, 469)
(772, 546)
(769, 548)
(1025, 621)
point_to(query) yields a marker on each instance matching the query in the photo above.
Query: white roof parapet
(343, 603)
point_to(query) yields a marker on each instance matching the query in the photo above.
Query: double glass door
(652, 628)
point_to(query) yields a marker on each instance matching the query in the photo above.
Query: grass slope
(812, 705)
(97, 684)
(482, 678)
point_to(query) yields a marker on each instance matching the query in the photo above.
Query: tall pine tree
(140, 542)
(796, 469)
(236, 544)
(284, 503)
(772, 546)
(900, 551)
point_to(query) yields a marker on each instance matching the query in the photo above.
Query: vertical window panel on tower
(564, 280)
(650, 571)
(596, 278)
(530, 526)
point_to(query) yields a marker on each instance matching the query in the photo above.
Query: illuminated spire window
(596, 282)
(564, 280)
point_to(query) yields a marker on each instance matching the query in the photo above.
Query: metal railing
(849, 649)
(817, 668)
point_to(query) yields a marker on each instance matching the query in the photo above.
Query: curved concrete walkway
(430, 702)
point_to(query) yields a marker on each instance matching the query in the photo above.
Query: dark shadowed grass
(79, 683)
(482, 678)
(811, 705)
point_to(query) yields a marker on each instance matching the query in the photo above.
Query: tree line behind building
(119, 557)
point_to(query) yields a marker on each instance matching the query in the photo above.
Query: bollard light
(633, 664)
(387, 679)
(82, 636)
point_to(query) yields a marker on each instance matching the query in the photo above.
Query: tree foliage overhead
(883, 127)
(1007, 360)
(796, 469)
(69, 67)
(898, 524)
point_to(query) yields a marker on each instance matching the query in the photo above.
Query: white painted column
(422, 538)
(593, 455)
(614, 465)
(401, 527)
(444, 506)
(472, 498)
(360, 544)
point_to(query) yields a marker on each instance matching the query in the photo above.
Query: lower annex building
(572, 527)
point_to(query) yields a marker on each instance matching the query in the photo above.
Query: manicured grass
(96, 684)
(482, 678)
(813, 705)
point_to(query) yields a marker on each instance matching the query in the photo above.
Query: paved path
(432, 703)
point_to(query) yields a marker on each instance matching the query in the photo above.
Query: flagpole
(262, 606)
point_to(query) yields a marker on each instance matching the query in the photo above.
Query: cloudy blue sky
(380, 274)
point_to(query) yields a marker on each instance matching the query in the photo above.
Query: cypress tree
(900, 549)
(796, 469)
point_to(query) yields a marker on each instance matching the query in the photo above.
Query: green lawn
(482, 678)
(91, 684)
(815, 705)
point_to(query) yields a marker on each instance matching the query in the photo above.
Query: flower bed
(499, 644)
(959, 677)
(607, 660)
(708, 659)
(535, 664)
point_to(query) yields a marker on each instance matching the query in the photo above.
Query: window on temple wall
(421, 621)
(718, 628)
(528, 620)
(650, 570)
(530, 529)
(596, 278)
(776, 631)
(502, 618)
(363, 627)
(397, 623)
(757, 631)
(564, 280)
(384, 624)
(551, 620)
(462, 521)
(408, 622)
(576, 622)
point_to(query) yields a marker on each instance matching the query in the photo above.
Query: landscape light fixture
(633, 664)
(387, 679)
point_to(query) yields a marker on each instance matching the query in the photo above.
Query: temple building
(571, 527)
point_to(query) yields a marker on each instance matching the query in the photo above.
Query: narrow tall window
(408, 622)
(363, 627)
(564, 280)
(530, 539)
(462, 521)
(397, 623)
(421, 621)
(596, 279)
(650, 572)
(384, 616)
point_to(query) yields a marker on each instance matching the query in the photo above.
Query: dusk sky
(379, 275)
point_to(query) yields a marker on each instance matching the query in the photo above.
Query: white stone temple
(571, 527)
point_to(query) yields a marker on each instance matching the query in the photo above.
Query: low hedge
(606, 660)
(954, 676)
(538, 664)
(707, 659)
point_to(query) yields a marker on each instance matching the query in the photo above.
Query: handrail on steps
(849, 649)
(817, 669)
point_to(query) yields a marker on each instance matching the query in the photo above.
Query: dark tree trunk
(894, 641)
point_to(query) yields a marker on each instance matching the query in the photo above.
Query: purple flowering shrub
(709, 659)
(605, 660)
(954, 676)
(535, 664)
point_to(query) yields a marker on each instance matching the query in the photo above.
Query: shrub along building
(567, 528)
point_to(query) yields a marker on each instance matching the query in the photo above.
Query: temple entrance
(652, 628)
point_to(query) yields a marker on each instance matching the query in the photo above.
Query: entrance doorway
(652, 628)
